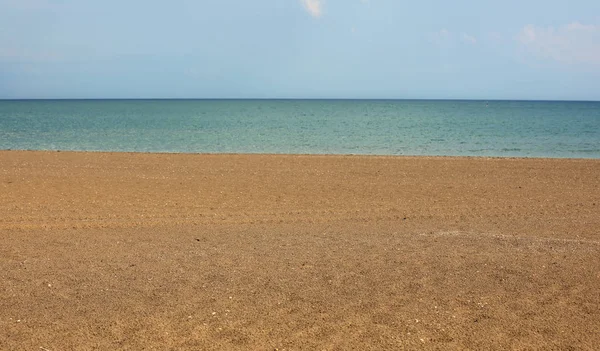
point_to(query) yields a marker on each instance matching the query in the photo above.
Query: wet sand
(140, 251)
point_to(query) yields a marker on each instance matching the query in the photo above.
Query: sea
(556, 129)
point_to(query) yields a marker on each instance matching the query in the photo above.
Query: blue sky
(524, 49)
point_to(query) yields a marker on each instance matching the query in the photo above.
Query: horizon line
(295, 99)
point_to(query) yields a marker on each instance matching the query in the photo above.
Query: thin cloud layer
(314, 7)
(444, 36)
(573, 43)
(25, 4)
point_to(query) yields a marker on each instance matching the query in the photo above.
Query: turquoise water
(395, 127)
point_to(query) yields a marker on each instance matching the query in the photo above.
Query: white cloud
(443, 33)
(468, 38)
(314, 7)
(572, 43)
(441, 36)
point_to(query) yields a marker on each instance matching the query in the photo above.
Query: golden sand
(171, 251)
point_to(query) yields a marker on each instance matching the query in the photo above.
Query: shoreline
(302, 154)
(287, 99)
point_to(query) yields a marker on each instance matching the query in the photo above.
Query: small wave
(586, 151)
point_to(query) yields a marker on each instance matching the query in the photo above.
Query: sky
(388, 49)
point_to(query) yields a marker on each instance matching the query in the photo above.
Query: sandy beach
(122, 251)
